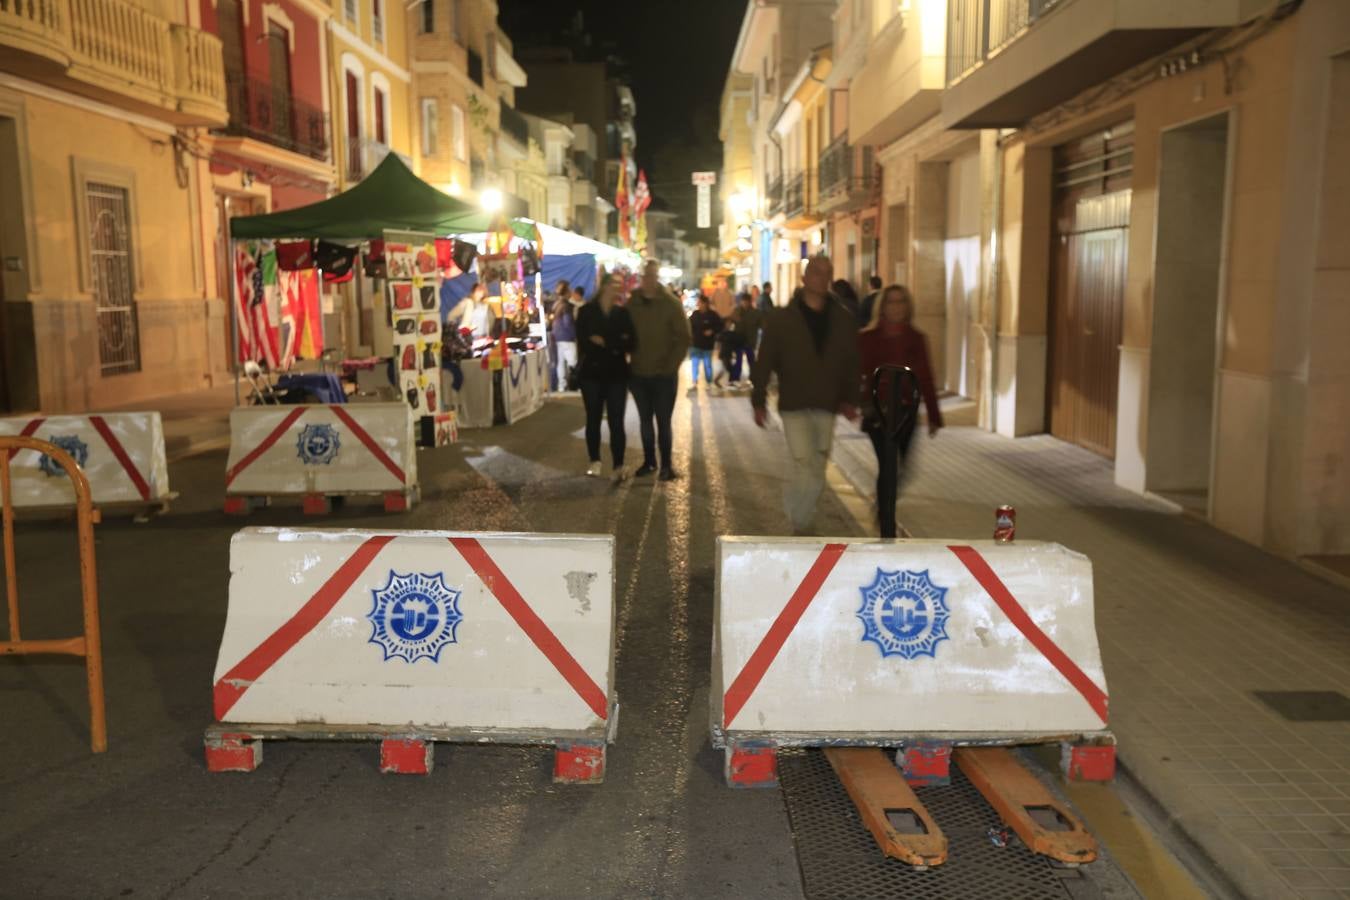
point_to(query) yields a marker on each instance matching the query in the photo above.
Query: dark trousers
(655, 399)
(902, 442)
(740, 356)
(603, 398)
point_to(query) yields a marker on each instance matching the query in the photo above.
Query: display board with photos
(413, 283)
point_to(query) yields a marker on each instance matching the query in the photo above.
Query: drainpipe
(995, 270)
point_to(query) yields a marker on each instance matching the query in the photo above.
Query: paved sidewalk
(1192, 624)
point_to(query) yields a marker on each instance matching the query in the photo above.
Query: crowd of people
(820, 349)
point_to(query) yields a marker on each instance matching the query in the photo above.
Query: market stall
(392, 234)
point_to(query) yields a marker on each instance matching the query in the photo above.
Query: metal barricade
(87, 644)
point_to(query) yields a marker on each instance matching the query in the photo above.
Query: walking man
(869, 302)
(766, 297)
(812, 346)
(662, 341)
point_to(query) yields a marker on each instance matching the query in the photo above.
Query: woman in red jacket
(891, 339)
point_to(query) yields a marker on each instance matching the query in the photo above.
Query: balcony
(584, 164)
(475, 68)
(848, 177)
(515, 127)
(1010, 60)
(773, 196)
(800, 201)
(117, 52)
(364, 154)
(260, 112)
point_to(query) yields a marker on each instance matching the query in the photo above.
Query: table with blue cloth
(325, 388)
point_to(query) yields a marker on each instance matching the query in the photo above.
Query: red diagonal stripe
(778, 632)
(28, 430)
(239, 679)
(977, 566)
(533, 626)
(374, 448)
(264, 444)
(120, 452)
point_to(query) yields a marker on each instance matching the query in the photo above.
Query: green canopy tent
(390, 198)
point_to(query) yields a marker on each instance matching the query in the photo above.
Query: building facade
(105, 296)
(1120, 222)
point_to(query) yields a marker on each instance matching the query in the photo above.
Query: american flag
(257, 337)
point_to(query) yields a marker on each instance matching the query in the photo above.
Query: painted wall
(52, 346)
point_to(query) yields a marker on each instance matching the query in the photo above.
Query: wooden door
(1091, 250)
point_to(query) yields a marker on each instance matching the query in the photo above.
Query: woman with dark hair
(605, 338)
(891, 339)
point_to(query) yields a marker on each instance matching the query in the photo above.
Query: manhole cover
(839, 859)
(1307, 706)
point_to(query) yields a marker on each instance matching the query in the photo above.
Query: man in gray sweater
(662, 342)
(812, 346)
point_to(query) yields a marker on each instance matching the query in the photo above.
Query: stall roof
(390, 198)
(560, 242)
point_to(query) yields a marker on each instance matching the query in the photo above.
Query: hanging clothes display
(301, 317)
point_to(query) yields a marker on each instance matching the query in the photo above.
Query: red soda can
(1005, 524)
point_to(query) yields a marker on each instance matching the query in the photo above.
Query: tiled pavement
(1191, 623)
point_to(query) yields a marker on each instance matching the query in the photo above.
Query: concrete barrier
(122, 455)
(321, 449)
(918, 643)
(420, 635)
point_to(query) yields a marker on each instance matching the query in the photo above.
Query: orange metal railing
(86, 644)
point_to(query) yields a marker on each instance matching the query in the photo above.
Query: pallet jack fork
(1043, 823)
(903, 829)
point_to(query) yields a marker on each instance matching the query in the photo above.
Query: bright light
(741, 203)
(491, 200)
(670, 273)
(454, 188)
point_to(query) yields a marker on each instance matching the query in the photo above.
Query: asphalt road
(146, 819)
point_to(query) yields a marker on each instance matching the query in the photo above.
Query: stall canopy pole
(234, 308)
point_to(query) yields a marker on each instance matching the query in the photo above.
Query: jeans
(655, 398)
(605, 398)
(742, 356)
(902, 441)
(810, 434)
(567, 360)
(695, 355)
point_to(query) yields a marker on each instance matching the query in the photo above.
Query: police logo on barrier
(78, 450)
(414, 616)
(318, 444)
(904, 614)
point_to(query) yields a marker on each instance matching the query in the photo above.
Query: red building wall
(307, 64)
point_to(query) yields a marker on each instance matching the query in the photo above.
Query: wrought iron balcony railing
(978, 29)
(848, 175)
(773, 196)
(261, 111)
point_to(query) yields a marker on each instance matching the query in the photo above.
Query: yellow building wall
(54, 332)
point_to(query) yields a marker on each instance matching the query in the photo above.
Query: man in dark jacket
(662, 340)
(869, 302)
(812, 346)
(704, 327)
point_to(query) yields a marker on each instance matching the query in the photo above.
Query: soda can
(1005, 524)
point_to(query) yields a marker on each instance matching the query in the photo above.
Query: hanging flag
(621, 204)
(253, 263)
(301, 318)
(642, 199)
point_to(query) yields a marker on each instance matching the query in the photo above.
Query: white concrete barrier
(460, 636)
(321, 449)
(880, 641)
(122, 454)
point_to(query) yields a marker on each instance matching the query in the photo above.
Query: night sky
(676, 56)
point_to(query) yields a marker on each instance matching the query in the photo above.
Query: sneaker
(693, 389)
(718, 379)
(620, 475)
(644, 470)
(668, 474)
(594, 469)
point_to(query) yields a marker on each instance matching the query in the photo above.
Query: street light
(741, 203)
(491, 200)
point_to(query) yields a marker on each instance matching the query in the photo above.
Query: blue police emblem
(318, 444)
(414, 616)
(904, 614)
(78, 450)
